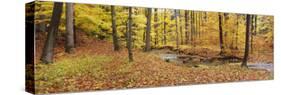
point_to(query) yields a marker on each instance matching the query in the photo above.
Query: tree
(165, 25)
(192, 28)
(247, 38)
(221, 34)
(199, 25)
(48, 50)
(186, 26)
(256, 21)
(177, 32)
(252, 32)
(196, 25)
(225, 39)
(181, 30)
(69, 38)
(148, 29)
(74, 29)
(156, 25)
(237, 31)
(129, 36)
(116, 46)
(193, 34)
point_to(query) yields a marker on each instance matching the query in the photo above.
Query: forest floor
(95, 66)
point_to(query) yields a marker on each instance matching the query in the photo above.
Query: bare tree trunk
(114, 30)
(129, 35)
(246, 53)
(232, 38)
(48, 51)
(225, 17)
(155, 26)
(148, 29)
(193, 34)
(69, 44)
(181, 30)
(196, 29)
(165, 24)
(195, 24)
(177, 32)
(237, 28)
(42, 25)
(199, 26)
(221, 34)
(186, 26)
(252, 32)
(74, 29)
(192, 28)
(256, 19)
(206, 16)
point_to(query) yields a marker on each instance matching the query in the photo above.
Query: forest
(82, 47)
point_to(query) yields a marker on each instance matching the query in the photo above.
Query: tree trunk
(237, 28)
(221, 34)
(199, 26)
(193, 34)
(116, 46)
(129, 35)
(148, 29)
(206, 16)
(195, 30)
(225, 33)
(186, 27)
(69, 38)
(252, 32)
(74, 29)
(181, 30)
(165, 24)
(232, 38)
(256, 19)
(246, 53)
(155, 26)
(177, 32)
(42, 25)
(48, 51)
(192, 28)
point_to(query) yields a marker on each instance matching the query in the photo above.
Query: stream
(261, 65)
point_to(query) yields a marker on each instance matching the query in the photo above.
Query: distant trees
(152, 27)
(129, 36)
(47, 55)
(114, 30)
(247, 38)
(69, 44)
(148, 29)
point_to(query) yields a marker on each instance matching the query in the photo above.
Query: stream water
(265, 66)
(261, 65)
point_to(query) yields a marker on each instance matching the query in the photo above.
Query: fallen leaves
(95, 67)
